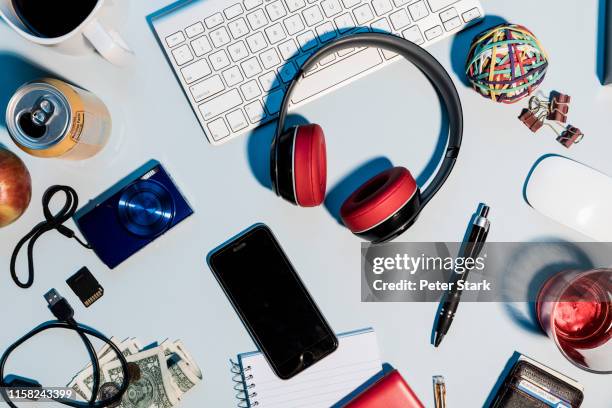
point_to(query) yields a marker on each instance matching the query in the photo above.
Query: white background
(167, 290)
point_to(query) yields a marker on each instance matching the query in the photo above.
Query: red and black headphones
(389, 203)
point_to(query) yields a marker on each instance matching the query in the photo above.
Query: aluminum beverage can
(51, 118)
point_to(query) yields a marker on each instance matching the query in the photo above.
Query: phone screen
(272, 301)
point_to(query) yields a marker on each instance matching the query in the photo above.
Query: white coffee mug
(90, 33)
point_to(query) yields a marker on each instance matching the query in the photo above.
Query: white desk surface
(167, 290)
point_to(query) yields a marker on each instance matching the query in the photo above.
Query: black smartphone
(272, 301)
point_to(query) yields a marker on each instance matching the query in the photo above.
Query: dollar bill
(184, 372)
(152, 388)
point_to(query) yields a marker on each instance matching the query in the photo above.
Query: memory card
(85, 286)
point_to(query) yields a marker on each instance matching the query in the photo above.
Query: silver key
(195, 71)
(207, 88)
(175, 39)
(257, 19)
(382, 6)
(255, 112)
(294, 24)
(251, 4)
(344, 22)
(452, 24)
(238, 28)
(269, 58)
(220, 37)
(275, 33)
(269, 81)
(276, 10)
(294, 5)
(232, 76)
(250, 90)
(326, 32)
(194, 29)
(307, 40)
(312, 15)
(287, 71)
(399, 19)
(256, 42)
(363, 14)
(201, 46)
(434, 32)
(331, 7)
(413, 34)
(238, 51)
(220, 104)
(219, 60)
(182, 54)
(233, 11)
(288, 49)
(418, 10)
(437, 5)
(251, 67)
(218, 129)
(351, 3)
(236, 120)
(214, 20)
(381, 25)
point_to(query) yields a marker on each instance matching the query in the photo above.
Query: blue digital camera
(133, 213)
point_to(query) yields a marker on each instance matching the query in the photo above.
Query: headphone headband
(432, 69)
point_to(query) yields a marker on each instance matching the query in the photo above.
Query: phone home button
(307, 358)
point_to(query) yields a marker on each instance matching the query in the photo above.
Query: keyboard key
(433, 32)
(363, 14)
(238, 51)
(275, 33)
(294, 5)
(269, 58)
(256, 42)
(326, 32)
(400, 3)
(312, 15)
(452, 24)
(175, 39)
(307, 40)
(219, 60)
(418, 10)
(327, 78)
(214, 20)
(302, 59)
(382, 6)
(399, 19)
(220, 37)
(201, 46)
(413, 34)
(344, 22)
(326, 60)
(276, 10)
(232, 76)
(236, 120)
(250, 90)
(471, 14)
(288, 49)
(287, 71)
(194, 29)
(220, 104)
(207, 88)
(294, 24)
(350, 3)
(251, 4)
(238, 28)
(195, 71)
(331, 7)
(182, 54)
(448, 14)
(218, 129)
(269, 81)
(437, 5)
(381, 25)
(273, 101)
(251, 67)
(257, 19)
(255, 112)
(233, 11)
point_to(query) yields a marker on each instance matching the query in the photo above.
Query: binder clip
(551, 112)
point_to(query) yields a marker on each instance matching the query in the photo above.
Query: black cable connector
(64, 313)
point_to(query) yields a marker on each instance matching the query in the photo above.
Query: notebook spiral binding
(243, 386)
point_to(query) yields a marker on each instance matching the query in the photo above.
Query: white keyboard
(234, 59)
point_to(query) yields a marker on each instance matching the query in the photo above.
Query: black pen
(479, 229)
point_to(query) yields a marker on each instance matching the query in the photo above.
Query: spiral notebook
(356, 360)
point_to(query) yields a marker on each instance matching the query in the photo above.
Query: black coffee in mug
(53, 18)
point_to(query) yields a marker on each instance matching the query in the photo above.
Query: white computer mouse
(572, 194)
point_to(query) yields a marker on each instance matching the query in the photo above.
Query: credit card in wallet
(533, 385)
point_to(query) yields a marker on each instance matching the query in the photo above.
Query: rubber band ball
(506, 63)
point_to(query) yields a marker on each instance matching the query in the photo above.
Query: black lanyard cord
(51, 222)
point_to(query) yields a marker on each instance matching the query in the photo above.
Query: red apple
(15, 187)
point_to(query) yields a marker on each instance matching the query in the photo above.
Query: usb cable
(64, 314)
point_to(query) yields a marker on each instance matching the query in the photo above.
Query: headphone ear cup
(309, 165)
(384, 206)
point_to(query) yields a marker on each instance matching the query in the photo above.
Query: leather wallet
(533, 385)
(391, 391)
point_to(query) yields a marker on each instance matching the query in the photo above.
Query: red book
(391, 391)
